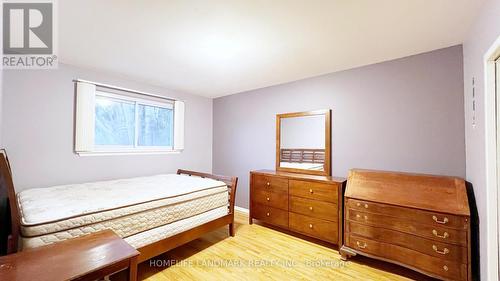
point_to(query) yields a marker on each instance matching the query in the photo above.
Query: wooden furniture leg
(132, 269)
(346, 253)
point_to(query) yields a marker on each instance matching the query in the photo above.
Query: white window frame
(85, 121)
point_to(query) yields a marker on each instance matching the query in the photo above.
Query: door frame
(492, 194)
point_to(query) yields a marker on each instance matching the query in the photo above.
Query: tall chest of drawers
(307, 204)
(418, 221)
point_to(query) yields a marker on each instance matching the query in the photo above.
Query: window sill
(111, 153)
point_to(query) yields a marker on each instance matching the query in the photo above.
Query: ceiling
(215, 48)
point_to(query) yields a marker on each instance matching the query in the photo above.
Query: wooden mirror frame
(327, 164)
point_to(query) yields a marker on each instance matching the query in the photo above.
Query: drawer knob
(366, 206)
(268, 199)
(444, 236)
(267, 214)
(310, 208)
(358, 216)
(443, 252)
(445, 268)
(268, 184)
(310, 226)
(362, 246)
(444, 221)
(358, 204)
(311, 191)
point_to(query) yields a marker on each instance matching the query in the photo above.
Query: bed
(153, 214)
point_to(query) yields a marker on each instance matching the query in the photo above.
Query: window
(132, 123)
(114, 122)
(117, 121)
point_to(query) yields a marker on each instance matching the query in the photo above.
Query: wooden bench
(88, 257)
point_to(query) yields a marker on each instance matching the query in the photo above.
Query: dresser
(307, 204)
(418, 221)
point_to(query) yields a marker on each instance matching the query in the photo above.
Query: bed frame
(7, 191)
(167, 244)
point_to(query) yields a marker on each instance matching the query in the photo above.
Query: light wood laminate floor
(262, 253)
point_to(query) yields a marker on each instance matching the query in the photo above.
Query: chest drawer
(314, 190)
(270, 183)
(270, 215)
(419, 216)
(436, 233)
(436, 249)
(322, 229)
(271, 199)
(428, 264)
(317, 209)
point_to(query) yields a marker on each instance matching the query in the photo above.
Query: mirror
(303, 142)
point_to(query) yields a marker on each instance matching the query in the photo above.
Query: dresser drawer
(424, 217)
(428, 264)
(436, 233)
(275, 184)
(270, 215)
(317, 209)
(314, 190)
(322, 229)
(271, 199)
(444, 251)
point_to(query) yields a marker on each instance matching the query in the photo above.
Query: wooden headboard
(302, 155)
(7, 191)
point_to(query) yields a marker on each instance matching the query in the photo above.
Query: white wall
(38, 108)
(1, 107)
(484, 32)
(1, 75)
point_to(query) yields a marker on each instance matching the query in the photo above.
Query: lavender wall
(37, 131)
(484, 32)
(403, 115)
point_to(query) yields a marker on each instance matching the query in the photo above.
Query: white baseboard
(242, 210)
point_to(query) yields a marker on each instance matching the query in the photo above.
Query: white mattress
(127, 206)
(159, 233)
